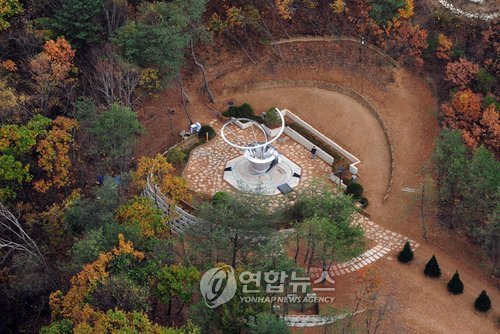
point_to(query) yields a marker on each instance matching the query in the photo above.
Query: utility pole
(362, 67)
(422, 211)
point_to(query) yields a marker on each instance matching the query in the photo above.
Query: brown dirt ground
(407, 107)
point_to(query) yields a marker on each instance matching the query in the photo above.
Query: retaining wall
(330, 38)
(354, 160)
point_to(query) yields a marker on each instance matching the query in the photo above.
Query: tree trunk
(169, 310)
(183, 100)
(311, 259)
(234, 38)
(308, 249)
(202, 68)
(422, 212)
(235, 251)
(495, 261)
(297, 247)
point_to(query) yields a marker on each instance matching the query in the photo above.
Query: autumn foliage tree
(54, 154)
(51, 70)
(353, 18)
(284, 8)
(8, 8)
(467, 105)
(143, 212)
(16, 145)
(461, 72)
(338, 6)
(465, 112)
(443, 48)
(159, 171)
(490, 121)
(11, 100)
(73, 304)
(49, 142)
(407, 10)
(406, 42)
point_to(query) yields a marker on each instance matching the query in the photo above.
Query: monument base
(240, 173)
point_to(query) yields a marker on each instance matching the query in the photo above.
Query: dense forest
(83, 252)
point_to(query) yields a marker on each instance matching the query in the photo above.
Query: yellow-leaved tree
(159, 171)
(54, 154)
(72, 312)
(72, 305)
(142, 211)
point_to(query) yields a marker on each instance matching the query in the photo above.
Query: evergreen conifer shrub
(406, 255)
(455, 285)
(483, 302)
(432, 268)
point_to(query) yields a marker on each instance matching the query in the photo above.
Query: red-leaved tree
(461, 72)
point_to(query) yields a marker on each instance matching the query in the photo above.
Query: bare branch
(15, 238)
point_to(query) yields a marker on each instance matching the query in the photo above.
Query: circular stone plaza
(220, 166)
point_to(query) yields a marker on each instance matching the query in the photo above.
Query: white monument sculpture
(261, 168)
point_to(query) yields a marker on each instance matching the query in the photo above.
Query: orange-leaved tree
(73, 304)
(443, 48)
(407, 10)
(51, 68)
(16, 145)
(491, 123)
(461, 72)
(54, 154)
(338, 6)
(478, 125)
(467, 105)
(406, 42)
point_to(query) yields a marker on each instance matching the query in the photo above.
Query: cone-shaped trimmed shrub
(483, 302)
(455, 285)
(406, 255)
(432, 268)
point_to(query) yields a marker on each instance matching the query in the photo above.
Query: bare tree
(13, 237)
(113, 79)
(115, 14)
(367, 314)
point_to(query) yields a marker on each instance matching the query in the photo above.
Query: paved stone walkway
(205, 169)
(470, 15)
(386, 240)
